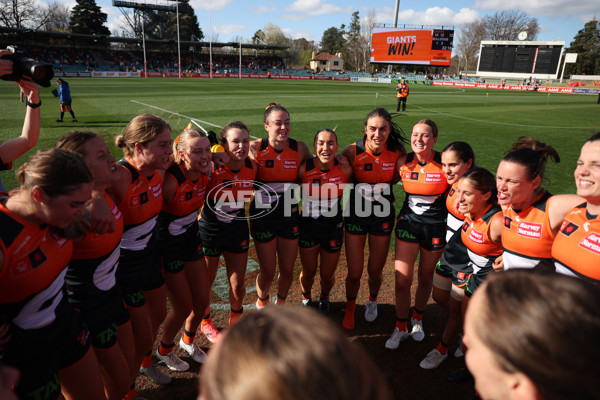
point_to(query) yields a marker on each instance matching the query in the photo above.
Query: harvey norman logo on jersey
(591, 242)
(530, 229)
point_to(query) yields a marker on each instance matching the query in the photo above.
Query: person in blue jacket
(64, 96)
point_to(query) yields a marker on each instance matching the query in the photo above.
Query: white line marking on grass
(499, 123)
(181, 115)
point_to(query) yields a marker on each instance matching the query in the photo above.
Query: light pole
(178, 42)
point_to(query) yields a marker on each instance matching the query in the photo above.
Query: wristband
(32, 105)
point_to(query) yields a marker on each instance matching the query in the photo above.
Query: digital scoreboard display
(412, 46)
(520, 57)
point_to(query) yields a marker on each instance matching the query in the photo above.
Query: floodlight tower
(396, 10)
(150, 19)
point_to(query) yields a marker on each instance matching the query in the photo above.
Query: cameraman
(14, 148)
(64, 96)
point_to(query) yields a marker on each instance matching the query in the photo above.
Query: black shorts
(269, 227)
(38, 354)
(378, 226)
(177, 253)
(329, 235)
(431, 237)
(219, 237)
(138, 272)
(475, 280)
(104, 319)
(459, 278)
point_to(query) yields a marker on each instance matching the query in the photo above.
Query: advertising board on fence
(542, 89)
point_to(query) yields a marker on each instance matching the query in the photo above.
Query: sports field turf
(490, 120)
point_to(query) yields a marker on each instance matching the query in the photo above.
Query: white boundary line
(499, 123)
(181, 115)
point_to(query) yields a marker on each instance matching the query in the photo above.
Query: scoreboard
(412, 46)
(522, 58)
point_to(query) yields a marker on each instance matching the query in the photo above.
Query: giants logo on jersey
(269, 164)
(591, 243)
(530, 229)
(368, 167)
(507, 222)
(414, 176)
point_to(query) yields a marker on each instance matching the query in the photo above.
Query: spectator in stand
(64, 96)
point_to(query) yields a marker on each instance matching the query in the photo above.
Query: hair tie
(270, 105)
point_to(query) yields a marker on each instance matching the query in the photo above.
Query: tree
(259, 37)
(188, 26)
(506, 25)
(22, 14)
(502, 25)
(331, 40)
(354, 46)
(303, 50)
(58, 18)
(274, 35)
(587, 46)
(467, 41)
(87, 18)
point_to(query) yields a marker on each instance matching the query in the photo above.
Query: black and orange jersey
(475, 235)
(576, 248)
(94, 263)
(455, 218)
(322, 191)
(402, 90)
(373, 176)
(33, 274)
(277, 166)
(140, 206)
(228, 192)
(180, 215)
(190, 194)
(277, 170)
(527, 236)
(368, 167)
(425, 186)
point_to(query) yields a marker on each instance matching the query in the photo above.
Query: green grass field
(490, 120)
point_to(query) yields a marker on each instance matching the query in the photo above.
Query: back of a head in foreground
(546, 326)
(289, 353)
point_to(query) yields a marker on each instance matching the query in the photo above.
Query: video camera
(39, 72)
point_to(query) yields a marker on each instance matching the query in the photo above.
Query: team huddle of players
(91, 248)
